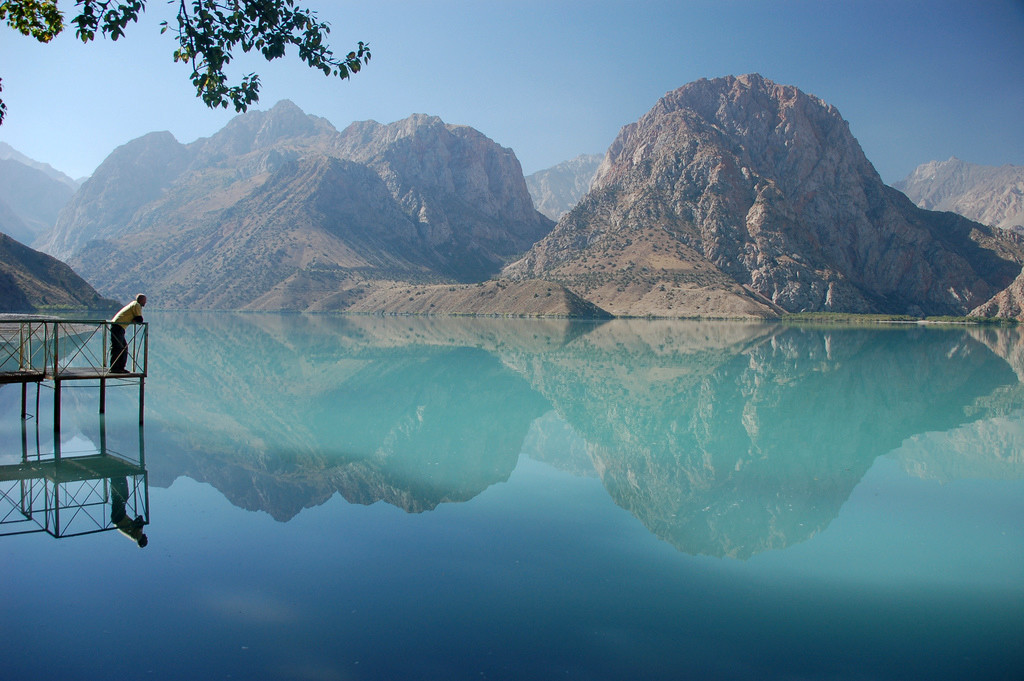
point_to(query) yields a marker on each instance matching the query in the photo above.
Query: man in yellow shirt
(129, 314)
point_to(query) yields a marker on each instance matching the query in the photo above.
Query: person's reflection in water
(125, 525)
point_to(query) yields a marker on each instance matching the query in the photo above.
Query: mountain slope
(740, 196)
(467, 193)
(133, 175)
(30, 280)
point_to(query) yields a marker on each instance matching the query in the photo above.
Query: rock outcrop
(987, 194)
(466, 194)
(738, 196)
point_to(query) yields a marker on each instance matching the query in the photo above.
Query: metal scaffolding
(71, 493)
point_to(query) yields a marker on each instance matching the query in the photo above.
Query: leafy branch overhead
(208, 32)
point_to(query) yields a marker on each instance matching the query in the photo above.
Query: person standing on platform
(129, 314)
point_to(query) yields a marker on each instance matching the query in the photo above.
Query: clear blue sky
(918, 80)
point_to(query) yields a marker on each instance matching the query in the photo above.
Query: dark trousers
(118, 348)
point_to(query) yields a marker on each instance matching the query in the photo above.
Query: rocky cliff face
(990, 195)
(556, 190)
(278, 210)
(466, 194)
(739, 196)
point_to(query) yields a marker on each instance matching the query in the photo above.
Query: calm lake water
(412, 498)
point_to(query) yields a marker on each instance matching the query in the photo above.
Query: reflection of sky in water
(544, 562)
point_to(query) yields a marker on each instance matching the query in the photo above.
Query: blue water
(407, 498)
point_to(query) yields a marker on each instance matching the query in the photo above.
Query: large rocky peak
(423, 155)
(461, 186)
(774, 130)
(743, 186)
(283, 125)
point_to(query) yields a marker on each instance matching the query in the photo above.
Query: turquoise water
(410, 498)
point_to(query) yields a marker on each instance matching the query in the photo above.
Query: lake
(440, 498)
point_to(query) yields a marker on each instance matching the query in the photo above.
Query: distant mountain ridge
(732, 197)
(557, 189)
(32, 199)
(280, 208)
(7, 152)
(990, 195)
(741, 197)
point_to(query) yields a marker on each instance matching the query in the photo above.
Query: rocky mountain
(741, 197)
(31, 196)
(280, 209)
(31, 281)
(467, 194)
(987, 194)
(556, 190)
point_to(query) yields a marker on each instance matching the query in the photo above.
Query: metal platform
(50, 351)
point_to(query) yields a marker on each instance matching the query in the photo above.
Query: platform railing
(65, 348)
(81, 348)
(23, 349)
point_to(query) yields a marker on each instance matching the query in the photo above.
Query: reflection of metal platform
(71, 496)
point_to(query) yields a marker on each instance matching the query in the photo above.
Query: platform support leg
(103, 396)
(56, 409)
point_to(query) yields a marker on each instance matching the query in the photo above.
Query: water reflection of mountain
(282, 412)
(732, 453)
(724, 439)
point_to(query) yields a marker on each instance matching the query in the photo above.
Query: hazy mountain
(31, 195)
(133, 175)
(556, 190)
(13, 226)
(278, 210)
(988, 194)
(9, 152)
(30, 281)
(738, 196)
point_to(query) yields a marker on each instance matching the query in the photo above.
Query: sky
(917, 80)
